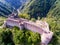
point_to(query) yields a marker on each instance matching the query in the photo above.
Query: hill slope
(17, 3)
(5, 10)
(55, 10)
(38, 8)
(53, 18)
(7, 6)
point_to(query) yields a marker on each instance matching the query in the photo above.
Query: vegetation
(53, 18)
(38, 8)
(6, 37)
(48, 10)
(51, 14)
(2, 19)
(55, 28)
(18, 37)
(25, 16)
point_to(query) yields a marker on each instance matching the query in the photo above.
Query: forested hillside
(53, 18)
(55, 10)
(5, 10)
(38, 8)
(7, 6)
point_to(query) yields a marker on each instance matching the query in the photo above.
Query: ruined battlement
(40, 27)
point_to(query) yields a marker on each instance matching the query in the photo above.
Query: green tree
(33, 19)
(6, 37)
(18, 36)
(25, 16)
(32, 38)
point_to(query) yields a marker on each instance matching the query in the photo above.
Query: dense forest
(38, 8)
(16, 36)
